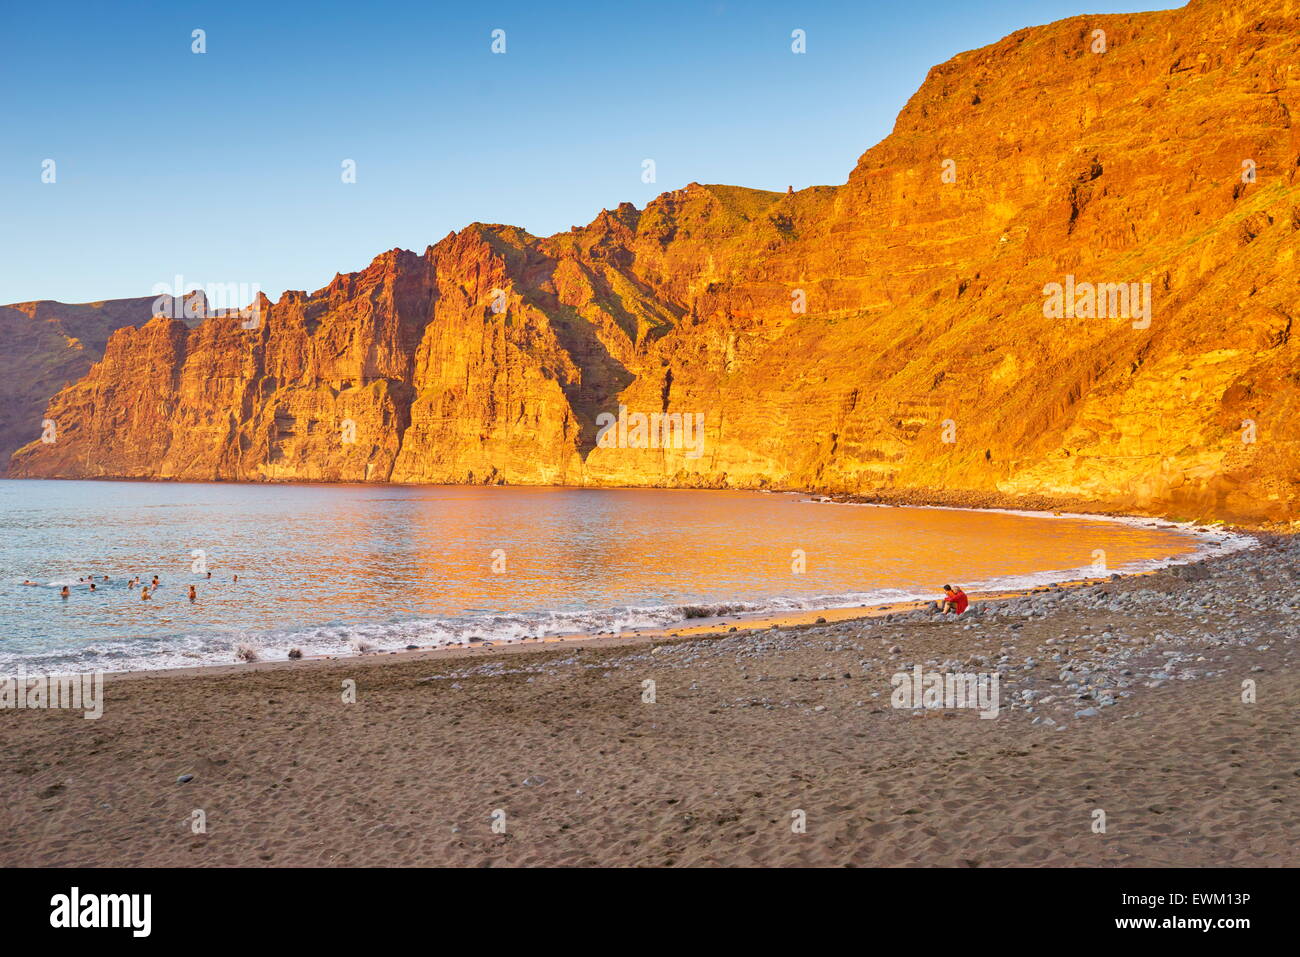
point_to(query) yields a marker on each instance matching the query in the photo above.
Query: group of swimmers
(146, 591)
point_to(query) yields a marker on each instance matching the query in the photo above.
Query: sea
(346, 569)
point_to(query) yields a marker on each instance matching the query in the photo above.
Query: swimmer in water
(64, 593)
(144, 593)
(155, 581)
(193, 594)
(92, 586)
(236, 578)
(209, 574)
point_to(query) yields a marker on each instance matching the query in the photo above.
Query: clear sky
(226, 166)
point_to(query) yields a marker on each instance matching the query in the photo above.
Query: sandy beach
(1124, 697)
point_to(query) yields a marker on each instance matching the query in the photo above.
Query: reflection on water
(322, 565)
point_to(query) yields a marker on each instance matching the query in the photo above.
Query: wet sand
(1123, 697)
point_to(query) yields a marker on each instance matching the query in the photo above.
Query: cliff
(932, 352)
(45, 346)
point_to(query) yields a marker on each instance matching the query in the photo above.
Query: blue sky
(226, 166)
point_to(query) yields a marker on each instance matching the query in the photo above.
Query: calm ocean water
(321, 566)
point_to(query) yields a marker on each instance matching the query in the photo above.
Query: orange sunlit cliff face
(934, 323)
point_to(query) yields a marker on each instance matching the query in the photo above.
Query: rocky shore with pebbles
(1168, 700)
(1061, 653)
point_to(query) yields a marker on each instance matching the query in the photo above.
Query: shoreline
(701, 628)
(716, 627)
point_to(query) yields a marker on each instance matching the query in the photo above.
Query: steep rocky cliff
(932, 352)
(45, 346)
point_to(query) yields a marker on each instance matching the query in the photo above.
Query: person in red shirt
(954, 599)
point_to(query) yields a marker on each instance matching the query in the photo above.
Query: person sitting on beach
(954, 600)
